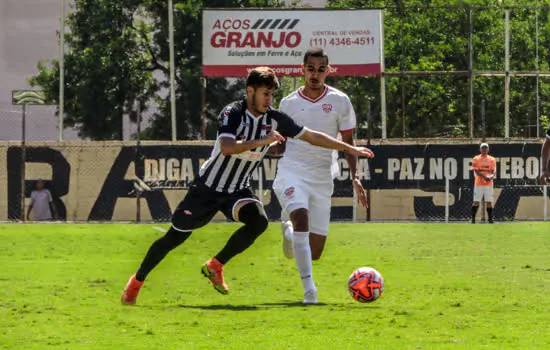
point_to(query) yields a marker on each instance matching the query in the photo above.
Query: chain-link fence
(409, 181)
(461, 72)
(120, 181)
(511, 203)
(114, 181)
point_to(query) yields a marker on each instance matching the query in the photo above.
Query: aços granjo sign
(234, 41)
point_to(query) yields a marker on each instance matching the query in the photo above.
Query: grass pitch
(454, 286)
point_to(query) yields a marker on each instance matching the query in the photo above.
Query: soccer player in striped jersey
(246, 130)
(304, 181)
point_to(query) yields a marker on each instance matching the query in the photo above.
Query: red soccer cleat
(131, 291)
(213, 269)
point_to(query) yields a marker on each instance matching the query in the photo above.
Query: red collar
(311, 100)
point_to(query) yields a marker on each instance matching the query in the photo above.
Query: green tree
(188, 60)
(114, 46)
(430, 35)
(107, 68)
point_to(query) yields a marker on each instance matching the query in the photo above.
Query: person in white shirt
(41, 203)
(304, 180)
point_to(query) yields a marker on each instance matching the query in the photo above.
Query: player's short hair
(262, 76)
(315, 52)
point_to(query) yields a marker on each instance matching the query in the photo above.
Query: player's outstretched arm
(323, 140)
(347, 137)
(230, 145)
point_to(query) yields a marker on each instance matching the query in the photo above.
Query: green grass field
(454, 286)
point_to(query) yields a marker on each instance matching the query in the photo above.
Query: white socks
(302, 255)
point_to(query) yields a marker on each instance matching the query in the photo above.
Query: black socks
(158, 251)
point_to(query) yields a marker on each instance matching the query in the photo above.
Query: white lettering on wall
(532, 167)
(450, 166)
(171, 169)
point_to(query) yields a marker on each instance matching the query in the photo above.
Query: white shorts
(483, 192)
(294, 193)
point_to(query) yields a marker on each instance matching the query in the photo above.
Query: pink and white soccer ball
(365, 284)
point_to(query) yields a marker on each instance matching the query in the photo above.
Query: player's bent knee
(176, 238)
(182, 223)
(300, 220)
(253, 215)
(172, 239)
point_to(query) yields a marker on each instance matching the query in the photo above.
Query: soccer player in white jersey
(304, 181)
(246, 129)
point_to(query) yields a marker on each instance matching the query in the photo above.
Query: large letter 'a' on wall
(115, 186)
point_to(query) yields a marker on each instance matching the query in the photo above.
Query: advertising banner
(234, 42)
(406, 182)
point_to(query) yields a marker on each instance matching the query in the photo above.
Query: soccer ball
(365, 284)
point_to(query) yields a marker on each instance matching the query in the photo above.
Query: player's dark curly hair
(315, 52)
(262, 76)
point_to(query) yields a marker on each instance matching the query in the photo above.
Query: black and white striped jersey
(232, 173)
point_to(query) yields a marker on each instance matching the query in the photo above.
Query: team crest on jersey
(289, 191)
(266, 127)
(226, 116)
(327, 107)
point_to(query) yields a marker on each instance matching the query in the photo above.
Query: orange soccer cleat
(131, 291)
(213, 269)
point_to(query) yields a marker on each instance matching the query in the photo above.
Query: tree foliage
(118, 52)
(188, 60)
(433, 36)
(106, 68)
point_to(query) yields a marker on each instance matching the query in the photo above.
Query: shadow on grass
(230, 307)
(265, 306)
(221, 307)
(259, 306)
(292, 304)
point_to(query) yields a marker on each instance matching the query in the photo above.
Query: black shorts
(201, 204)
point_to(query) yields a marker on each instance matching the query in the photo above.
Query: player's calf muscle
(317, 245)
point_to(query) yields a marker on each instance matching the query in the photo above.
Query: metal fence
(461, 72)
(120, 181)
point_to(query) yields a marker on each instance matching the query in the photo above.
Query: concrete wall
(95, 190)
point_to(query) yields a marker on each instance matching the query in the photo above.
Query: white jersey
(332, 112)
(40, 201)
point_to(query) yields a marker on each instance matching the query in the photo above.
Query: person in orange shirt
(484, 167)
